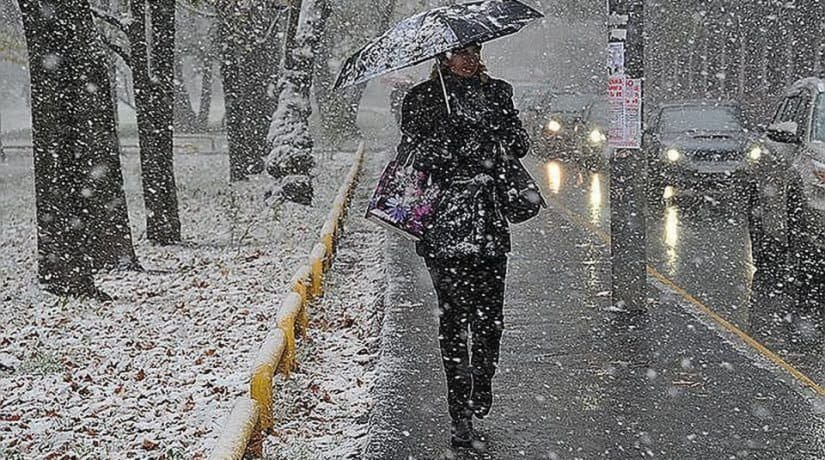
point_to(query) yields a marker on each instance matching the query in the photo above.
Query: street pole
(628, 165)
(2, 152)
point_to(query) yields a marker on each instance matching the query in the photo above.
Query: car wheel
(806, 260)
(768, 252)
(654, 190)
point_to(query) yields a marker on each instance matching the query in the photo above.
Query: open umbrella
(426, 35)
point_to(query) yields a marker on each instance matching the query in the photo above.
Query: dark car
(592, 150)
(562, 126)
(787, 221)
(699, 144)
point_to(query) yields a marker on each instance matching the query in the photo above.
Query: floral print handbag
(404, 198)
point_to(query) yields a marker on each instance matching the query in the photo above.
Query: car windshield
(529, 97)
(699, 118)
(598, 113)
(819, 119)
(568, 103)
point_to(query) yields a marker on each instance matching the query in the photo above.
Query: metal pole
(628, 167)
(2, 152)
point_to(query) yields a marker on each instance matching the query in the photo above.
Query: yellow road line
(727, 325)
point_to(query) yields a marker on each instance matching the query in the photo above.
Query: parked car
(787, 218)
(698, 144)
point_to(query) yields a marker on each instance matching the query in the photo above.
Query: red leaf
(149, 444)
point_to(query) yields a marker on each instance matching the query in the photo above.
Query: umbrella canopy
(426, 35)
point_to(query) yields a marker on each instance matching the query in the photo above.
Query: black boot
(462, 433)
(482, 398)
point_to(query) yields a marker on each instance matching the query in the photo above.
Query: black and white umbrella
(426, 35)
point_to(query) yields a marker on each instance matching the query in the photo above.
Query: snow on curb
(239, 430)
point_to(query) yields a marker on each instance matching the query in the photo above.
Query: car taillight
(819, 171)
(820, 174)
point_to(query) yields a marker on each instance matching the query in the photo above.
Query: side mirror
(785, 132)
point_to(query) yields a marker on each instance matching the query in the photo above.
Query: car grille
(712, 155)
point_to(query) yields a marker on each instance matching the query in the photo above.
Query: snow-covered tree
(290, 158)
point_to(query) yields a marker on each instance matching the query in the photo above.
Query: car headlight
(755, 153)
(597, 137)
(553, 126)
(673, 155)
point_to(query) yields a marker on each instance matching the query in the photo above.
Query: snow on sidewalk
(154, 373)
(323, 409)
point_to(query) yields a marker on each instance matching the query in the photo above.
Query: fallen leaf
(149, 444)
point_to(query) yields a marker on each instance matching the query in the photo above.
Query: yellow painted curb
(237, 432)
(316, 264)
(287, 316)
(300, 285)
(263, 370)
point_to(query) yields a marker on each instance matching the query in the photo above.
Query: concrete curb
(253, 415)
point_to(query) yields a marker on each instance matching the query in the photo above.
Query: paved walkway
(575, 380)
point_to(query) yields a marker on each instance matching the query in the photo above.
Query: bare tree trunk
(339, 111)
(153, 49)
(77, 169)
(113, 61)
(249, 51)
(207, 62)
(185, 119)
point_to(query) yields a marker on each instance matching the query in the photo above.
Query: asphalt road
(698, 239)
(579, 381)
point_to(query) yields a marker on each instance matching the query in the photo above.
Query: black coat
(463, 152)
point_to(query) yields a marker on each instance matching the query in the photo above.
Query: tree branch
(111, 20)
(127, 102)
(192, 9)
(125, 55)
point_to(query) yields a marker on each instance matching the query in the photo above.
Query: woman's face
(464, 63)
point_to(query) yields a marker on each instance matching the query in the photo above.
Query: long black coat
(463, 152)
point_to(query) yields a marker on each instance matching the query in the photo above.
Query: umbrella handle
(443, 87)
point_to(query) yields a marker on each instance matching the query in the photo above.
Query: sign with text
(625, 106)
(615, 57)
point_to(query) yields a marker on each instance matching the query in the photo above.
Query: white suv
(788, 190)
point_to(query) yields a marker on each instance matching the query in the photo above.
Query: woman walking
(465, 246)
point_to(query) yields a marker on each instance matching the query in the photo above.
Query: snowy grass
(154, 373)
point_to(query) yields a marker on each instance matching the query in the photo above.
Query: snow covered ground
(154, 373)
(322, 411)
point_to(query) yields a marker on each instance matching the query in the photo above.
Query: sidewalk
(577, 382)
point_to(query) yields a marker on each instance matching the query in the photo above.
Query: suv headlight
(553, 126)
(755, 153)
(597, 137)
(673, 155)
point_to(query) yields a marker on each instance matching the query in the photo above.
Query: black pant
(471, 299)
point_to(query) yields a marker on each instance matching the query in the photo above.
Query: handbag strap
(405, 152)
